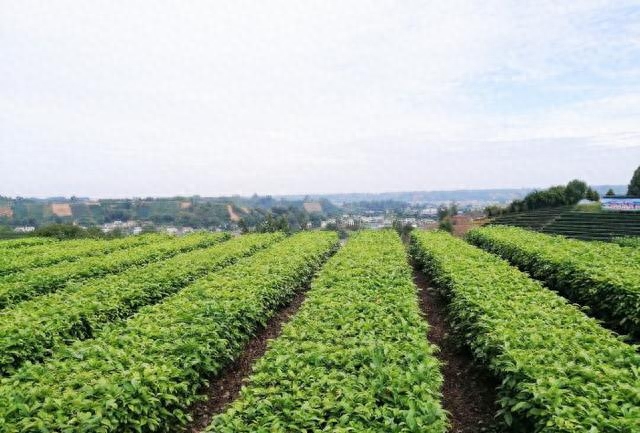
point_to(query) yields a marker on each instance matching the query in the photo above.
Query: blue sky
(115, 98)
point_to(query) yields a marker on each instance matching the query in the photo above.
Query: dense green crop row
(21, 286)
(141, 374)
(628, 241)
(560, 370)
(66, 251)
(603, 276)
(355, 358)
(10, 244)
(31, 329)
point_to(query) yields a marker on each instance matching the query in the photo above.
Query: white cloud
(283, 96)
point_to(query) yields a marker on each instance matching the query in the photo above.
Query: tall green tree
(634, 185)
(575, 191)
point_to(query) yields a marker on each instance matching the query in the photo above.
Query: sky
(141, 98)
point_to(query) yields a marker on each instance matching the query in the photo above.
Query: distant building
(24, 229)
(429, 211)
(621, 203)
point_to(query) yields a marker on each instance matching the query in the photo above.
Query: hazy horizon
(116, 99)
(618, 188)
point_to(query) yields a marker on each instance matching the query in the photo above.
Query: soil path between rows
(222, 390)
(469, 391)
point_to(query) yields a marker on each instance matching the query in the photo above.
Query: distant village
(413, 215)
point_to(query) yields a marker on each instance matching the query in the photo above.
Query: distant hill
(220, 212)
(503, 195)
(223, 212)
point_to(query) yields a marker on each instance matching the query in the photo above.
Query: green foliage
(70, 231)
(142, 374)
(589, 207)
(446, 225)
(33, 329)
(402, 229)
(610, 193)
(353, 359)
(628, 241)
(561, 371)
(20, 286)
(634, 185)
(445, 212)
(48, 254)
(24, 242)
(494, 210)
(555, 196)
(600, 275)
(592, 195)
(274, 224)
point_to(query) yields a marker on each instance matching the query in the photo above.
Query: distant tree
(610, 193)
(274, 224)
(634, 185)
(555, 196)
(445, 212)
(244, 228)
(592, 195)
(575, 191)
(94, 232)
(446, 225)
(149, 229)
(494, 210)
(403, 229)
(60, 231)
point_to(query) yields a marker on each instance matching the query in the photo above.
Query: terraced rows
(66, 251)
(560, 370)
(143, 373)
(628, 241)
(21, 286)
(10, 244)
(603, 276)
(33, 329)
(125, 340)
(353, 359)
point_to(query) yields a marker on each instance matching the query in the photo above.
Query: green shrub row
(602, 276)
(67, 251)
(141, 375)
(355, 358)
(560, 370)
(628, 241)
(32, 329)
(10, 244)
(19, 287)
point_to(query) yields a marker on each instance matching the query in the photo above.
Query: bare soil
(61, 209)
(469, 391)
(222, 390)
(233, 216)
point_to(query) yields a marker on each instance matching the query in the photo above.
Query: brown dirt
(61, 209)
(224, 389)
(312, 206)
(6, 211)
(233, 216)
(469, 391)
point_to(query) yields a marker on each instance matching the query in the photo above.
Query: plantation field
(129, 335)
(602, 276)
